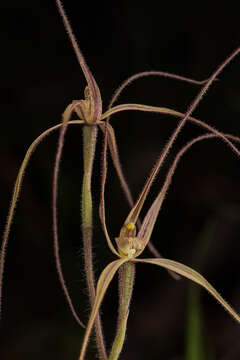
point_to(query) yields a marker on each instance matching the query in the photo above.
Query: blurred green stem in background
(196, 345)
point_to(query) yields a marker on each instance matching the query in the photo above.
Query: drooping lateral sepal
(193, 275)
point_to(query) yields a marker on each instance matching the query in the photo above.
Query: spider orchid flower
(91, 116)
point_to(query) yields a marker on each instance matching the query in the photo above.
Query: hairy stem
(126, 281)
(89, 145)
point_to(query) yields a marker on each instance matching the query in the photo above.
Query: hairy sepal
(193, 275)
(102, 286)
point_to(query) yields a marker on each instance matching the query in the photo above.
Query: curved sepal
(193, 275)
(94, 96)
(102, 286)
(15, 196)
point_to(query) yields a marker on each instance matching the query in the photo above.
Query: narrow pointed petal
(95, 95)
(102, 286)
(148, 223)
(15, 195)
(193, 275)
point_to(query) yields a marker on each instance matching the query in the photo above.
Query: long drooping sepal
(102, 286)
(94, 92)
(16, 192)
(65, 121)
(193, 275)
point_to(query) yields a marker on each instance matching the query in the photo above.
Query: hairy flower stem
(126, 281)
(89, 145)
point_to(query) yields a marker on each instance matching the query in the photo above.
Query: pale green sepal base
(102, 286)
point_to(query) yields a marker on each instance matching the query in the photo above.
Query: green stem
(126, 281)
(89, 145)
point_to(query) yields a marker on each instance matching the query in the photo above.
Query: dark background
(39, 78)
